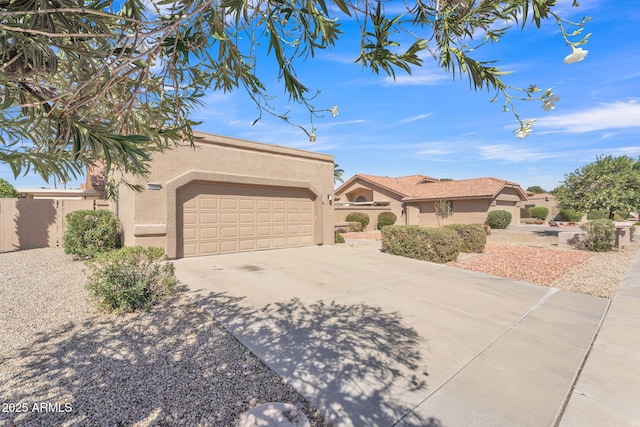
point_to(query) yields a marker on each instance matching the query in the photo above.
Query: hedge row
(440, 245)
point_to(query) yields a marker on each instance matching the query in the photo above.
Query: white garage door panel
(223, 218)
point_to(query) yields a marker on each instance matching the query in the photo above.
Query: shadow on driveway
(354, 361)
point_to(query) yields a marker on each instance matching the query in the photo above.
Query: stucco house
(546, 200)
(230, 195)
(412, 198)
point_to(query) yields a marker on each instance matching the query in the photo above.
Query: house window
(361, 199)
(529, 206)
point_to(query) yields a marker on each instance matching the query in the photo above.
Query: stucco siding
(150, 217)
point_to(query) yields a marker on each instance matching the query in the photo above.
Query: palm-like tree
(337, 173)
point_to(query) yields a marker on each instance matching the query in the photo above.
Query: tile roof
(403, 185)
(478, 188)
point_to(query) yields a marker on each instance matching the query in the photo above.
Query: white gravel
(64, 364)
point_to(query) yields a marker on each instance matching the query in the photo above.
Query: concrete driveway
(379, 340)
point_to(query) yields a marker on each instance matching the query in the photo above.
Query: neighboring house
(547, 200)
(412, 198)
(61, 194)
(229, 195)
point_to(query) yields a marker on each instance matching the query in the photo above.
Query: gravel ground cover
(534, 256)
(64, 364)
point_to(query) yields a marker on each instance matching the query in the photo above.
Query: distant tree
(610, 183)
(536, 189)
(337, 173)
(443, 210)
(7, 190)
(446, 179)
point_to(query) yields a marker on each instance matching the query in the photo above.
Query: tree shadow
(547, 233)
(356, 363)
(172, 366)
(33, 221)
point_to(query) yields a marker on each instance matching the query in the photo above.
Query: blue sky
(426, 123)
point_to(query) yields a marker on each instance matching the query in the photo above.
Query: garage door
(218, 218)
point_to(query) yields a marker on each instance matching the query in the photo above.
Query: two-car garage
(215, 218)
(225, 195)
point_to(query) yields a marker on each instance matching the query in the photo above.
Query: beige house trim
(412, 198)
(152, 217)
(174, 184)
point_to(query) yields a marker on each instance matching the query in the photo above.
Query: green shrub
(474, 237)
(439, 245)
(601, 236)
(354, 227)
(570, 215)
(90, 232)
(525, 213)
(539, 212)
(130, 278)
(6, 190)
(359, 217)
(338, 238)
(385, 219)
(596, 215)
(499, 219)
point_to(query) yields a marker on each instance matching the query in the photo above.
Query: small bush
(386, 218)
(525, 213)
(6, 190)
(354, 227)
(130, 278)
(439, 245)
(91, 232)
(474, 237)
(338, 238)
(539, 212)
(601, 236)
(570, 215)
(359, 217)
(499, 219)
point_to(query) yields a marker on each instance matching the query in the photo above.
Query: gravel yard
(533, 256)
(172, 366)
(62, 363)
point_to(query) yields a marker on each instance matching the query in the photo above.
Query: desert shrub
(130, 278)
(338, 238)
(386, 218)
(570, 215)
(525, 213)
(439, 245)
(354, 227)
(474, 237)
(499, 219)
(601, 236)
(90, 232)
(6, 190)
(539, 212)
(360, 217)
(600, 214)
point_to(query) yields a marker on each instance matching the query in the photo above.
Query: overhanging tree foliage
(610, 183)
(115, 81)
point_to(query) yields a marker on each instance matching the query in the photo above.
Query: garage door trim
(173, 185)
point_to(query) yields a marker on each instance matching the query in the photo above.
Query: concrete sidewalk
(378, 340)
(608, 390)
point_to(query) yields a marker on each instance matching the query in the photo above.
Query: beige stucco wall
(546, 200)
(38, 223)
(372, 193)
(464, 212)
(341, 212)
(149, 217)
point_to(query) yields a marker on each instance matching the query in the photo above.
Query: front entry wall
(216, 218)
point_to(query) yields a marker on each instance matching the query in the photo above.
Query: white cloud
(616, 115)
(511, 153)
(420, 77)
(414, 118)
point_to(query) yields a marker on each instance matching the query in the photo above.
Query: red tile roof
(477, 188)
(421, 187)
(403, 185)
